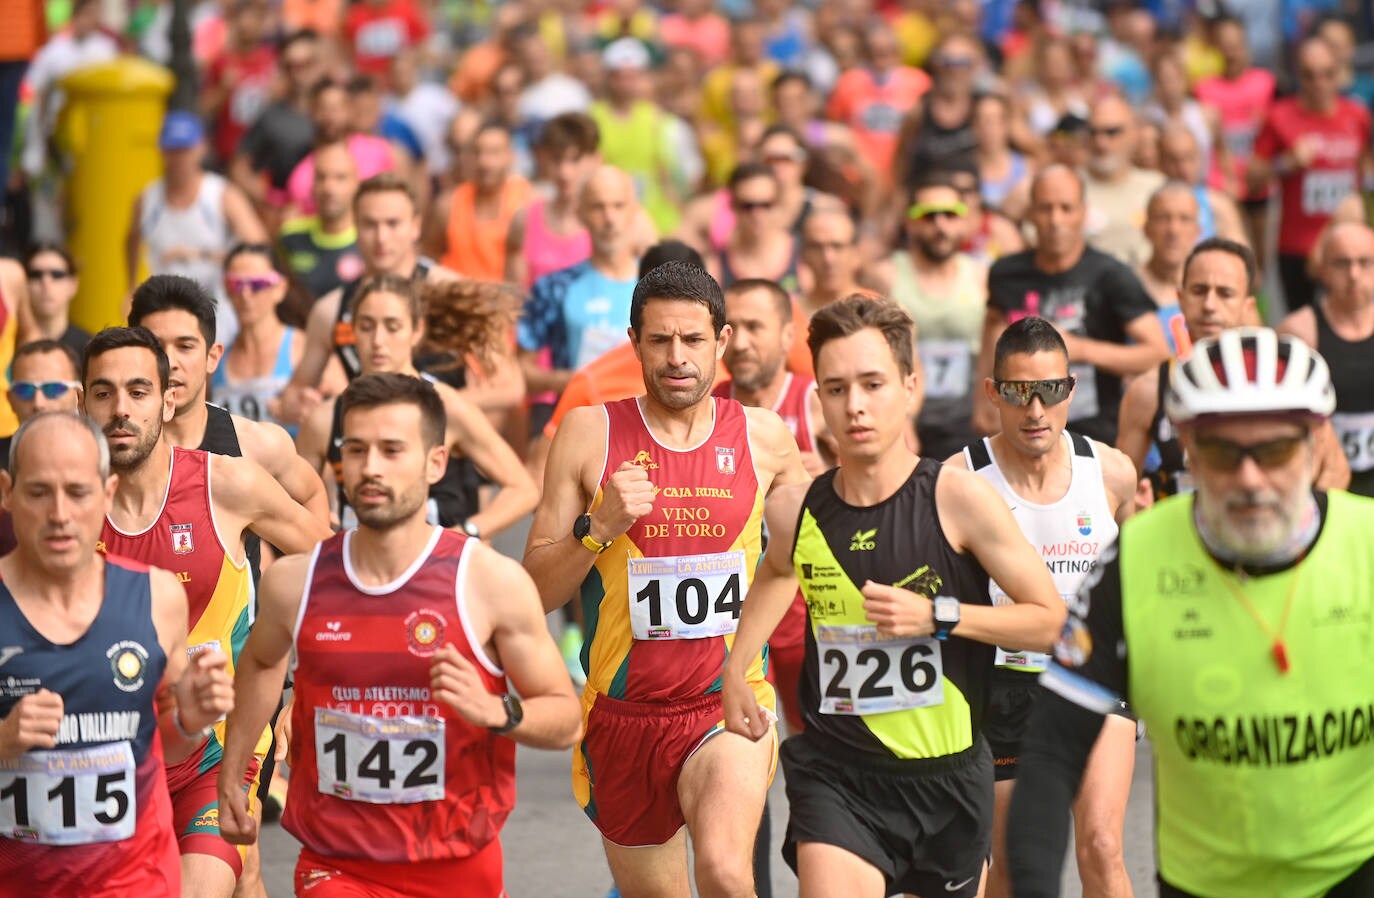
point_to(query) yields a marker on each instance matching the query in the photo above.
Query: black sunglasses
(54, 274)
(1224, 455)
(1022, 392)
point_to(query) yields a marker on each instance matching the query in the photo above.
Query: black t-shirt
(280, 138)
(1096, 298)
(75, 338)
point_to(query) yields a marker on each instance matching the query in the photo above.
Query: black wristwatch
(514, 714)
(582, 532)
(946, 616)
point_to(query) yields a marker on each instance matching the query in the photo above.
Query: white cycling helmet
(1249, 371)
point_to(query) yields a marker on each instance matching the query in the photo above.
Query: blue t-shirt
(578, 313)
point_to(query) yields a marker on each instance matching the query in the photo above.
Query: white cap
(1249, 371)
(625, 53)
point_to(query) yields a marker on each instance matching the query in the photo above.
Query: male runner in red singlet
(189, 512)
(653, 505)
(97, 689)
(181, 313)
(411, 643)
(759, 313)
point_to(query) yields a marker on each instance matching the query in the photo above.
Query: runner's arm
(1138, 407)
(769, 597)
(479, 441)
(319, 342)
(976, 519)
(1121, 478)
(556, 561)
(270, 446)
(170, 619)
(1086, 681)
(517, 269)
(985, 418)
(242, 219)
(1146, 349)
(526, 651)
(1301, 324)
(250, 495)
(775, 451)
(258, 678)
(1333, 468)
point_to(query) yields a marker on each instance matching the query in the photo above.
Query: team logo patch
(863, 540)
(1084, 523)
(644, 460)
(182, 544)
(206, 821)
(725, 459)
(425, 632)
(128, 660)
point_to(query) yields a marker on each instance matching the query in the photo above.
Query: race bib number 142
(379, 760)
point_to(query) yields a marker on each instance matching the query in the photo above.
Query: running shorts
(476, 876)
(626, 769)
(926, 823)
(194, 787)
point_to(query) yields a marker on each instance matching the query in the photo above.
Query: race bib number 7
(864, 672)
(686, 596)
(379, 760)
(69, 797)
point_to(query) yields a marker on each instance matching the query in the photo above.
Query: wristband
(199, 736)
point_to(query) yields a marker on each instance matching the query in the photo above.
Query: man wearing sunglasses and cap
(1236, 620)
(1068, 493)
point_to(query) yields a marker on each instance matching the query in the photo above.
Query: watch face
(582, 526)
(946, 609)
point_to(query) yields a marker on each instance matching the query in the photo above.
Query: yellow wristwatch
(582, 530)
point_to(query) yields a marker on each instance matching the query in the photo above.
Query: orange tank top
(476, 248)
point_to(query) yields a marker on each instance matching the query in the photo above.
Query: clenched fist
(205, 691)
(627, 497)
(33, 722)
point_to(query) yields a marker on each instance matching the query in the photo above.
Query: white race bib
(1084, 403)
(687, 596)
(1027, 661)
(865, 672)
(1356, 432)
(379, 760)
(69, 797)
(1322, 191)
(947, 364)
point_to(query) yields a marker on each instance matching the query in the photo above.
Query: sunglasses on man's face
(28, 390)
(1022, 392)
(48, 274)
(1225, 455)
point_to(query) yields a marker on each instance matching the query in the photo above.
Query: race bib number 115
(69, 797)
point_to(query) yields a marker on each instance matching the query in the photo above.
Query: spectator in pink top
(696, 27)
(331, 112)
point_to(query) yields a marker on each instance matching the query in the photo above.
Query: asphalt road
(553, 851)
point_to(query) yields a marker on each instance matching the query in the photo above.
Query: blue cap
(181, 130)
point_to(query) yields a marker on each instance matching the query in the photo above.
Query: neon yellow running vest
(1264, 781)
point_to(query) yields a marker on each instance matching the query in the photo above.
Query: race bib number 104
(686, 596)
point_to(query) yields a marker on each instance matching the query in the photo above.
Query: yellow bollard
(109, 130)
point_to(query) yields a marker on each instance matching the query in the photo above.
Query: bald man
(830, 251)
(1107, 319)
(1180, 159)
(1173, 229)
(579, 312)
(1116, 188)
(1313, 144)
(1341, 327)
